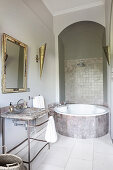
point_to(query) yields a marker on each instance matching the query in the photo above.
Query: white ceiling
(58, 7)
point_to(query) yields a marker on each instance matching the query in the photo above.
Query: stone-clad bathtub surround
(89, 127)
(84, 84)
(81, 126)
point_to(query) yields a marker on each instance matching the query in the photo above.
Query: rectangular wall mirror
(14, 65)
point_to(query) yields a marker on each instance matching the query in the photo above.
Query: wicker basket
(11, 162)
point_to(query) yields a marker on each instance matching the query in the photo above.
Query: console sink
(25, 114)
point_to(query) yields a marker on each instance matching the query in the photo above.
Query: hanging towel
(38, 102)
(51, 135)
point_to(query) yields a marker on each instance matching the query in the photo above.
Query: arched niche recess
(84, 39)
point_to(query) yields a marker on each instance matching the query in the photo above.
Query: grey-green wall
(61, 70)
(104, 73)
(83, 40)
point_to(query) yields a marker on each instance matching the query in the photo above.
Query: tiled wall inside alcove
(84, 84)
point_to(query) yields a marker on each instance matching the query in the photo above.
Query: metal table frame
(27, 139)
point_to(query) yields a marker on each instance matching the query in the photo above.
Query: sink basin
(16, 111)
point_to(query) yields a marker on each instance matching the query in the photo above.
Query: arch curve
(84, 21)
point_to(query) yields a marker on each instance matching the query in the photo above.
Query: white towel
(51, 135)
(38, 102)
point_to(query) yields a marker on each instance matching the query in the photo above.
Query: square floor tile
(64, 141)
(49, 167)
(57, 156)
(103, 148)
(77, 164)
(82, 150)
(85, 140)
(104, 139)
(102, 162)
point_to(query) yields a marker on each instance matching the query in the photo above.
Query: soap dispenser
(11, 107)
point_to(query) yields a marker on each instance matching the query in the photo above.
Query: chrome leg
(28, 135)
(3, 135)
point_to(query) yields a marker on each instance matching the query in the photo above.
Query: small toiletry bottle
(11, 107)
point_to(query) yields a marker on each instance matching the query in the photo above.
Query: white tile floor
(76, 154)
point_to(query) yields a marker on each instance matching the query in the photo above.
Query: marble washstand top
(26, 114)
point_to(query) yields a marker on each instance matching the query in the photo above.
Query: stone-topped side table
(27, 116)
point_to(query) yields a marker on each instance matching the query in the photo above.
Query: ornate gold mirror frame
(4, 59)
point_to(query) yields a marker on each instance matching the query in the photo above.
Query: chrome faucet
(20, 105)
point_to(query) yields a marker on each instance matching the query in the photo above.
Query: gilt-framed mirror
(14, 65)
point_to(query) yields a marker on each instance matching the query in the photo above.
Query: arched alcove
(82, 63)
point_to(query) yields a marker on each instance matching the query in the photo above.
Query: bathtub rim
(107, 110)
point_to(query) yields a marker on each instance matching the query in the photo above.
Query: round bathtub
(81, 120)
